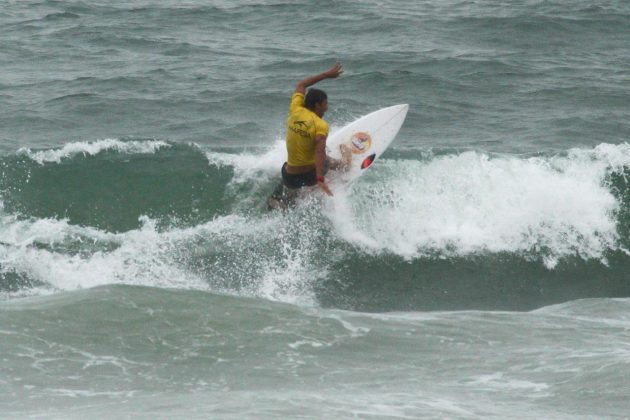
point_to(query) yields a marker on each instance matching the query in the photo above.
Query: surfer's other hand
(324, 187)
(334, 71)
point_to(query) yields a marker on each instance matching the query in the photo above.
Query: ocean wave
(92, 148)
(248, 166)
(228, 255)
(472, 202)
(39, 250)
(503, 219)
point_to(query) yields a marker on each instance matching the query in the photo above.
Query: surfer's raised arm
(331, 73)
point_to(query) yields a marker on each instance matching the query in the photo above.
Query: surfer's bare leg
(282, 198)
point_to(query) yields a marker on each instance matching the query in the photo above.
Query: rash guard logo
(301, 128)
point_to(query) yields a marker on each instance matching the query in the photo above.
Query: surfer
(306, 142)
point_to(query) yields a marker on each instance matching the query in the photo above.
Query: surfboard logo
(361, 142)
(367, 161)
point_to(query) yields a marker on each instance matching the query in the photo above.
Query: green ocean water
(141, 275)
(171, 353)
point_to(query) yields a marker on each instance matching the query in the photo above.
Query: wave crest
(92, 148)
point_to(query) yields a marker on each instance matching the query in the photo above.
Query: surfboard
(367, 138)
(363, 140)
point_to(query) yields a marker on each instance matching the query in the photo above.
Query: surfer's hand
(324, 187)
(334, 71)
(346, 156)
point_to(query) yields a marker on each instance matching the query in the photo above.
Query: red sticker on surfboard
(367, 161)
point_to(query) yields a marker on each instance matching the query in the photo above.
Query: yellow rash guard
(302, 127)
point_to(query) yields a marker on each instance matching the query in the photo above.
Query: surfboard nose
(399, 108)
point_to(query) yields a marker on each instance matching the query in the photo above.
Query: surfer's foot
(346, 156)
(275, 204)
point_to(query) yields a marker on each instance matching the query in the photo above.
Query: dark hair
(314, 96)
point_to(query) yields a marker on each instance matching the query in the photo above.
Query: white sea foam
(140, 256)
(499, 381)
(92, 148)
(469, 203)
(17, 232)
(199, 257)
(249, 166)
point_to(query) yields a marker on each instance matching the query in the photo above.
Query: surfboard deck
(366, 138)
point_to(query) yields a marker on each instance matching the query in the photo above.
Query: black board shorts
(295, 181)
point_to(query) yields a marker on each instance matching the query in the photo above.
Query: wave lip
(92, 148)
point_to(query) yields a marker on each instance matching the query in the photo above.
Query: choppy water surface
(479, 269)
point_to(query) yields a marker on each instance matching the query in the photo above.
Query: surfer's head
(317, 101)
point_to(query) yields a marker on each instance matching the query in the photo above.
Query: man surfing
(306, 142)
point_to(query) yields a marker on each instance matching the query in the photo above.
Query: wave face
(439, 230)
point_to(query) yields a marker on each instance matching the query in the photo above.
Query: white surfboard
(367, 138)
